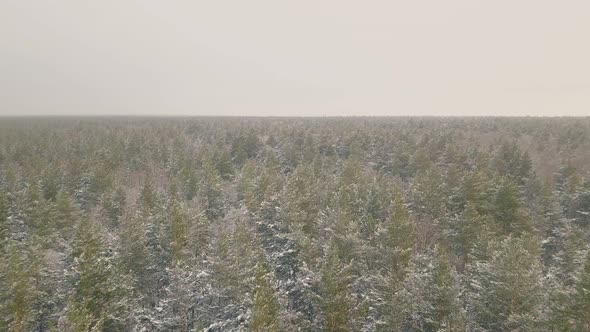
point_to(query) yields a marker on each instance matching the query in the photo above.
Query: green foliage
(465, 231)
(265, 310)
(179, 232)
(393, 224)
(581, 300)
(428, 299)
(507, 290)
(429, 194)
(114, 204)
(444, 294)
(211, 190)
(235, 252)
(98, 299)
(19, 282)
(303, 199)
(398, 238)
(4, 228)
(336, 299)
(148, 199)
(134, 249)
(507, 210)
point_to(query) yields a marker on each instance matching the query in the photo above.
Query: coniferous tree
(465, 230)
(398, 238)
(174, 307)
(335, 296)
(179, 232)
(507, 290)
(67, 214)
(18, 280)
(211, 190)
(98, 301)
(444, 292)
(507, 210)
(4, 228)
(265, 311)
(401, 224)
(580, 309)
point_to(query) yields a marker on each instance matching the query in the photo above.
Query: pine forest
(294, 224)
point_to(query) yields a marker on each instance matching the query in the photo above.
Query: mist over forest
(294, 224)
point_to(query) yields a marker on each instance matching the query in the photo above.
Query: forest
(294, 224)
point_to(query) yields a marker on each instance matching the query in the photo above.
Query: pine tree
(199, 233)
(4, 228)
(177, 300)
(405, 308)
(98, 301)
(224, 164)
(303, 203)
(335, 296)
(67, 214)
(265, 311)
(474, 190)
(465, 230)
(567, 182)
(580, 309)
(18, 281)
(179, 232)
(233, 258)
(580, 205)
(148, 199)
(189, 181)
(429, 194)
(114, 205)
(134, 251)
(398, 238)
(211, 190)
(507, 209)
(444, 294)
(507, 291)
(247, 185)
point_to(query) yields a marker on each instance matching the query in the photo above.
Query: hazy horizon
(265, 58)
(180, 116)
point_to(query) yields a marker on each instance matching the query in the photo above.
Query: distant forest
(295, 224)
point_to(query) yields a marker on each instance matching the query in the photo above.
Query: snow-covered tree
(265, 310)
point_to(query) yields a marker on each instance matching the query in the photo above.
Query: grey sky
(272, 57)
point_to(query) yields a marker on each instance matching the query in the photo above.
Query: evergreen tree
(114, 205)
(303, 201)
(148, 199)
(265, 311)
(134, 252)
(4, 228)
(67, 214)
(397, 238)
(581, 300)
(174, 308)
(445, 295)
(211, 190)
(179, 232)
(465, 230)
(335, 296)
(18, 280)
(98, 301)
(429, 194)
(401, 224)
(580, 205)
(428, 299)
(507, 209)
(507, 290)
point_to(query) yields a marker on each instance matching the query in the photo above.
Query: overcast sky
(317, 57)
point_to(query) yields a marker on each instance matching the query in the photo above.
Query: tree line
(295, 224)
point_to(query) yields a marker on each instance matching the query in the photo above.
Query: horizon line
(276, 116)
